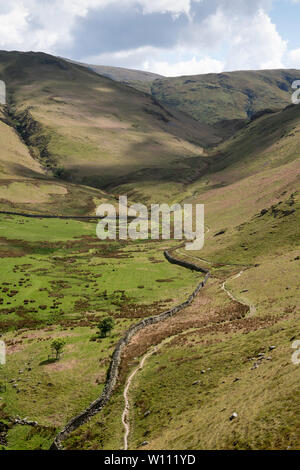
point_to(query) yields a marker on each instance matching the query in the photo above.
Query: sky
(168, 37)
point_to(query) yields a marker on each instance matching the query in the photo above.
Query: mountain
(79, 128)
(224, 100)
(212, 98)
(138, 79)
(90, 130)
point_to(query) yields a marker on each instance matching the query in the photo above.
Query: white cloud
(217, 34)
(186, 67)
(81, 7)
(172, 6)
(13, 24)
(293, 58)
(255, 44)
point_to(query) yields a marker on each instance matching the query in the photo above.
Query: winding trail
(125, 415)
(252, 308)
(126, 412)
(113, 372)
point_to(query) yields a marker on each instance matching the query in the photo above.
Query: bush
(106, 326)
(57, 346)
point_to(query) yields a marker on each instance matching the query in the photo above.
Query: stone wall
(113, 372)
(45, 216)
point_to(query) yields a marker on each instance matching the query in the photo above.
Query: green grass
(28, 438)
(201, 416)
(43, 389)
(45, 282)
(185, 415)
(58, 281)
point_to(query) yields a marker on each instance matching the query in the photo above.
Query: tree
(105, 326)
(57, 346)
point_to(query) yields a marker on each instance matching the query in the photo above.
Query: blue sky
(169, 37)
(285, 14)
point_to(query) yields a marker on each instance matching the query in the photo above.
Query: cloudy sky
(170, 37)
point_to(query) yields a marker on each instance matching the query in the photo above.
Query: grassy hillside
(252, 169)
(27, 186)
(90, 130)
(261, 158)
(220, 357)
(213, 98)
(139, 79)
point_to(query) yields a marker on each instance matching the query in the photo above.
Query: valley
(216, 374)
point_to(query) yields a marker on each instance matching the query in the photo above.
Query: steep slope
(90, 130)
(213, 98)
(265, 145)
(25, 186)
(265, 151)
(223, 100)
(219, 357)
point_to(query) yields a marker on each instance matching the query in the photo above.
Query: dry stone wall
(113, 372)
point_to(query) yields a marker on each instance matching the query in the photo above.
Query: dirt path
(252, 308)
(126, 412)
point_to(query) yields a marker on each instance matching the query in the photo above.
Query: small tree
(105, 326)
(57, 346)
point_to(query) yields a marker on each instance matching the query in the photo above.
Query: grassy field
(189, 389)
(58, 281)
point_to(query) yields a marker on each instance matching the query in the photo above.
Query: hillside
(90, 130)
(266, 143)
(223, 100)
(265, 148)
(28, 187)
(221, 376)
(138, 79)
(213, 98)
(120, 74)
(215, 375)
